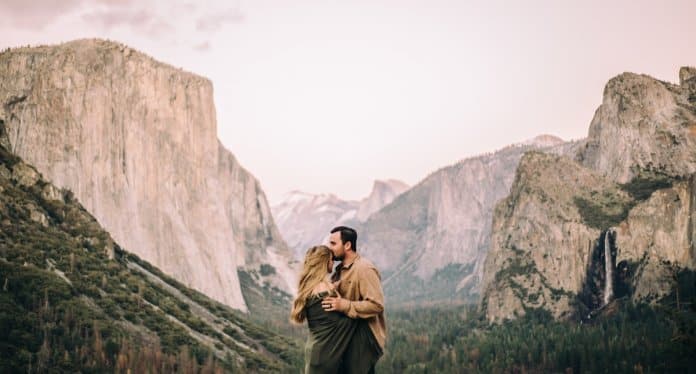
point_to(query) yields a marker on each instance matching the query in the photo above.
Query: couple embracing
(344, 311)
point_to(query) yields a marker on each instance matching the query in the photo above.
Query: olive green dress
(336, 343)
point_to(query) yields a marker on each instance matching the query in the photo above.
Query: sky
(328, 96)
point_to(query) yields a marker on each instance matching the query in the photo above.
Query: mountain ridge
(73, 299)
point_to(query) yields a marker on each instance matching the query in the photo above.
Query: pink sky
(326, 96)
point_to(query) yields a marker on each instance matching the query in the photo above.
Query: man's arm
(370, 290)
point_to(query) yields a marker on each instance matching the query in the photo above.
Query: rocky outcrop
(383, 193)
(566, 236)
(136, 140)
(571, 236)
(658, 237)
(687, 80)
(541, 246)
(643, 124)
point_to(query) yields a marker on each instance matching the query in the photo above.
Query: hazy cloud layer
(35, 14)
(141, 20)
(142, 17)
(202, 47)
(214, 21)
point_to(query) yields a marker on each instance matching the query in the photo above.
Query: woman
(331, 334)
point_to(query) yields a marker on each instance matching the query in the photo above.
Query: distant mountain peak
(383, 193)
(392, 183)
(544, 140)
(297, 196)
(305, 219)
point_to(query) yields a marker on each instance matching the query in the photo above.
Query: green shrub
(603, 214)
(643, 185)
(267, 270)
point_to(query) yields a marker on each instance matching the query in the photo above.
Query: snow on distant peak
(297, 196)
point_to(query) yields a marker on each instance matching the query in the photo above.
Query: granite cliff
(644, 124)
(136, 141)
(615, 221)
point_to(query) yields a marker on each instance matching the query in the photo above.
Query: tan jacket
(361, 284)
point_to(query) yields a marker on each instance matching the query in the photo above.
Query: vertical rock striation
(136, 141)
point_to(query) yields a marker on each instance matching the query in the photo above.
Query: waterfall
(608, 270)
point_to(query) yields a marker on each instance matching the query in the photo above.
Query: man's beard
(337, 258)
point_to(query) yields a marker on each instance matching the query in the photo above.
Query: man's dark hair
(347, 235)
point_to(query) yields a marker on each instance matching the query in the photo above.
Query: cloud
(202, 47)
(140, 20)
(214, 21)
(109, 19)
(176, 21)
(35, 14)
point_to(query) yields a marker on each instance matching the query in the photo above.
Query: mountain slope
(73, 300)
(430, 242)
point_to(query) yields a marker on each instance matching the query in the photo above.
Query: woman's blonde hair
(316, 266)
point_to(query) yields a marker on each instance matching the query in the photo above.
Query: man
(360, 296)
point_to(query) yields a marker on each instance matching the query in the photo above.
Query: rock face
(540, 245)
(643, 124)
(136, 140)
(430, 242)
(305, 219)
(616, 221)
(658, 235)
(383, 193)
